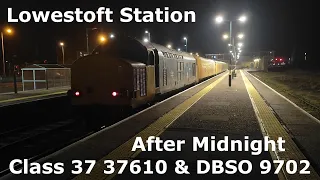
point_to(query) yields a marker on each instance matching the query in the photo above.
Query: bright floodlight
(240, 36)
(61, 44)
(179, 49)
(242, 18)
(225, 36)
(240, 44)
(169, 46)
(219, 19)
(145, 40)
(146, 32)
(185, 38)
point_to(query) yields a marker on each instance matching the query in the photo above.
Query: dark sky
(280, 25)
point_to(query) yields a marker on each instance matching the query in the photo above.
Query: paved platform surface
(209, 109)
(236, 112)
(223, 111)
(11, 98)
(6, 87)
(301, 125)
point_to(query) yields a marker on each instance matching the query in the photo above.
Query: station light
(179, 49)
(111, 36)
(240, 36)
(169, 46)
(243, 18)
(219, 19)
(145, 40)
(9, 30)
(102, 39)
(240, 44)
(225, 36)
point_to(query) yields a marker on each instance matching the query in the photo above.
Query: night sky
(279, 25)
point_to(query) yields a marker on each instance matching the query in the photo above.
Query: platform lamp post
(62, 49)
(219, 19)
(186, 45)
(149, 35)
(87, 36)
(7, 31)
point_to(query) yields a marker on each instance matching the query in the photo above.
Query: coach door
(154, 60)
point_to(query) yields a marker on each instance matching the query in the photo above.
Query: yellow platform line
(123, 152)
(273, 128)
(34, 96)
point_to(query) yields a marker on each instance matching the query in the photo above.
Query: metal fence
(45, 76)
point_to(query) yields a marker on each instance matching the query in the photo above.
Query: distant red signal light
(114, 94)
(77, 93)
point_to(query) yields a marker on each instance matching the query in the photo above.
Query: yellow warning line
(30, 97)
(123, 152)
(272, 127)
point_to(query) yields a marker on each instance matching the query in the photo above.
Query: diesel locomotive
(128, 73)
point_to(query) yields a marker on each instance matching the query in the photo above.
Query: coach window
(193, 69)
(180, 70)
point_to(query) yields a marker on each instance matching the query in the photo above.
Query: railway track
(35, 142)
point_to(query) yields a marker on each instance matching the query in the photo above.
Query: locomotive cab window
(151, 58)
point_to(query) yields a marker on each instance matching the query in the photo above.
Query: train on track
(129, 73)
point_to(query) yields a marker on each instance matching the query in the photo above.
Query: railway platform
(10, 98)
(247, 111)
